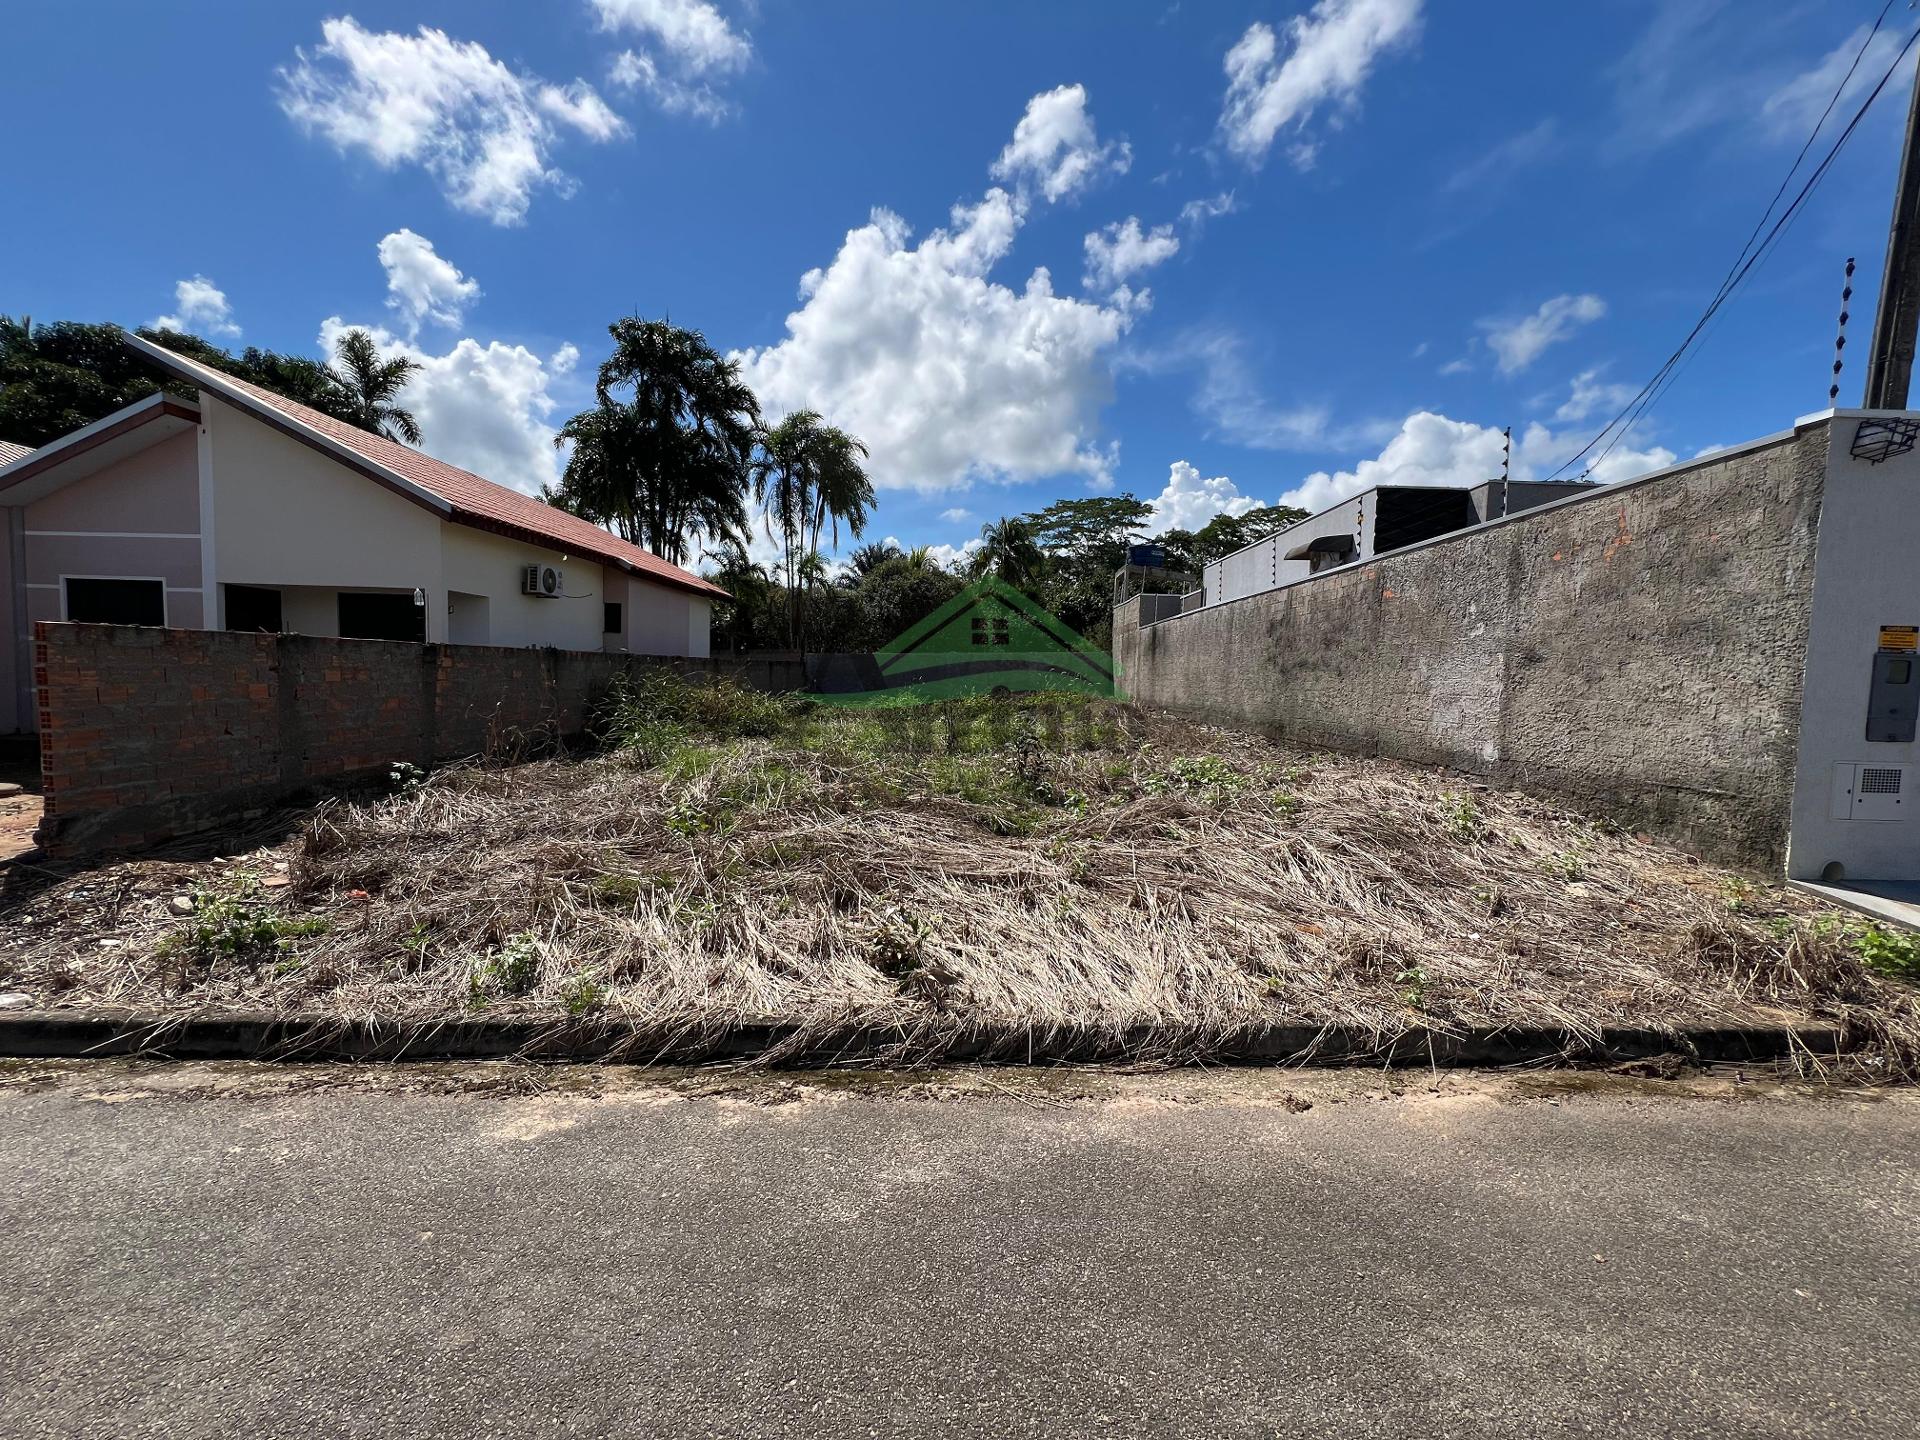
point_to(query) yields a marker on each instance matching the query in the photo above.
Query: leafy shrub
(655, 713)
(513, 969)
(239, 924)
(404, 777)
(582, 993)
(1205, 775)
(1890, 952)
(1464, 820)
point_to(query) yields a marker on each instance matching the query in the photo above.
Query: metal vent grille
(1879, 780)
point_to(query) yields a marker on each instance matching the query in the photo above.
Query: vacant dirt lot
(958, 868)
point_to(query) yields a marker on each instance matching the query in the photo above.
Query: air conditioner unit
(541, 580)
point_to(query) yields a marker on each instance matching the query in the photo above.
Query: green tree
(1090, 525)
(1010, 551)
(56, 378)
(747, 581)
(373, 385)
(807, 475)
(1224, 534)
(898, 593)
(863, 560)
(663, 457)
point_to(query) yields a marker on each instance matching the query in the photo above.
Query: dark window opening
(990, 632)
(610, 617)
(117, 602)
(252, 607)
(1330, 552)
(381, 617)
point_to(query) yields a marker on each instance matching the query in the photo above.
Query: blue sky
(1210, 254)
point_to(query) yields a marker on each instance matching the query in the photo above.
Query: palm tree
(863, 560)
(1009, 551)
(807, 476)
(373, 387)
(842, 491)
(747, 581)
(662, 457)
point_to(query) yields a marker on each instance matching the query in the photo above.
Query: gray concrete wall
(1638, 649)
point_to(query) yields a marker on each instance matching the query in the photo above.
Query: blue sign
(1150, 557)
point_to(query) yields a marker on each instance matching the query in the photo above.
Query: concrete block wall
(147, 734)
(1638, 650)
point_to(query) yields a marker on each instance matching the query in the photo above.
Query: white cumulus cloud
(947, 375)
(949, 557)
(692, 32)
(1190, 499)
(1123, 250)
(1518, 342)
(201, 307)
(1056, 148)
(483, 131)
(1589, 395)
(1324, 61)
(420, 285)
(686, 48)
(483, 407)
(957, 515)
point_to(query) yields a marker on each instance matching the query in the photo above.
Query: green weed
(236, 923)
(1464, 821)
(581, 994)
(1887, 951)
(1207, 776)
(512, 969)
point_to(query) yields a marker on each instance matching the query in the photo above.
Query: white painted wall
(659, 618)
(1866, 574)
(477, 563)
(285, 515)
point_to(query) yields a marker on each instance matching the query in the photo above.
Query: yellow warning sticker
(1900, 637)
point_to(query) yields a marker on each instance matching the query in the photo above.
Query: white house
(242, 510)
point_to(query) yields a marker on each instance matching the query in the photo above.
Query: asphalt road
(231, 1251)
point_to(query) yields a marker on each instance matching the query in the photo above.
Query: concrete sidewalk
(299, 1251)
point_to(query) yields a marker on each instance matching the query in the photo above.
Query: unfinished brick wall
(148, 734)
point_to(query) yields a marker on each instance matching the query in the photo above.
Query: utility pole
(1890, 362)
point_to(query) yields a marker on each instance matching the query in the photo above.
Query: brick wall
(148, 734)
(1639, 650)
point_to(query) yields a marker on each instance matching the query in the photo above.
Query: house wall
(661, 620)
(1639, 649)
(285, 515)
(237, 502)
(148, 734)
(478, 563)
(1263, 566)
(136, 518)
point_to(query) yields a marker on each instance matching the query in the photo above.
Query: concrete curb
(77, 1034)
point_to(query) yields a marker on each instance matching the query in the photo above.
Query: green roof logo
(988, 640)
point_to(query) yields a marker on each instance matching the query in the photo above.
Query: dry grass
(1054, 864)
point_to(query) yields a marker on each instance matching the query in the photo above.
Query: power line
(1616, 429)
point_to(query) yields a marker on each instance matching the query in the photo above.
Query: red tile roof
(475, 502)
